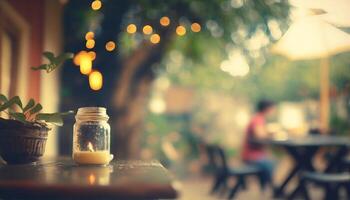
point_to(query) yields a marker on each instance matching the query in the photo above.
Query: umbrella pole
(324, 95)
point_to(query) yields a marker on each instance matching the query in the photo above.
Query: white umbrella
(312, 38)
(337, 11)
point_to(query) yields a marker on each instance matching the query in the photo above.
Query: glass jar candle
(91, 137)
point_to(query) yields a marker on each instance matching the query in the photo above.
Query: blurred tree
(225, 25)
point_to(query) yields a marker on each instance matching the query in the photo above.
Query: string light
(147, 29)
(180, 30)
(95, 80)
(90, 44)
(77, 57)
(164, 21)
(110, 46)
(195, 27)
(96, 5)
(92, 55)
(155, 38)
(89, 35)
(131, 28)
(85, 63)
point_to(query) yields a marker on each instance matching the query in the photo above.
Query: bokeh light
(77, 57)
(147, 29)
(195, 27)
(89, 35)
(164, 21)
(180, 30)
(110, 46)
(236, 65)
(157, 105)
(92, 179)
(85, 63)
(95, 80)
(92, 55)
(131, 28)
(155, 38)
(96, 5)
(90, 44)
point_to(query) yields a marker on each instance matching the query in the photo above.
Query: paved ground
(198, 186)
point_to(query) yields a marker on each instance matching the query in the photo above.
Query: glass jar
(91, 137)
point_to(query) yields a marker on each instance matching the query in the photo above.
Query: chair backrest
(217, 157)
(210, 150)
(221, 158)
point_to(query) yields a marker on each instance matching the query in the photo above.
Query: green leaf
(36, 109)
(54, 62)
(3, 98)
(67, 113)
(13, 101)
(29, 105)
(41, 67)
(18, 116)
(49, 56)
(63, 57)
(54, 118)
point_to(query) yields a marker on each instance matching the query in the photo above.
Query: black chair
(223, 172)
(330, 182)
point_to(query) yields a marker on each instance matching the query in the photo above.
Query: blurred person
(256, 154)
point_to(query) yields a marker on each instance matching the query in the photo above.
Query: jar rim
(92, 113)
(84, 110)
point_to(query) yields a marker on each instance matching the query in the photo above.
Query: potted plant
(24, 132)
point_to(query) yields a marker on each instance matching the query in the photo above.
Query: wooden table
(62, 179)
(303, 150)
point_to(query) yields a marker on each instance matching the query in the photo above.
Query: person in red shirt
(253, 153)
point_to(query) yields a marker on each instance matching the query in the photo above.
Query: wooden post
(324, 95)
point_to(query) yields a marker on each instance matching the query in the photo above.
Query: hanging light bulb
(96, 5)
(147, 29)
(164, 21)
(95, 80)
(90, 44)
(85, 63)
(155, 38)
(92, 55)
(195, 27)
(89, 35)
(110, 46)
(131, 28)
(77, 57)
(180, 30)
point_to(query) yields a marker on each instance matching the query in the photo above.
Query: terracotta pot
(21, 143)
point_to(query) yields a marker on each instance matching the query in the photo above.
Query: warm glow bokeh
(236, 65)
(110, 46)
(180, 30)
(85, 63)
(147, 29)
(164, 21)
(89, 35)
(95, 80)
(131, 28)
(195, 27)
(92, 179)
(96, 5)
(77, 57)
(92, 55)
(155, 38)
(90, 44)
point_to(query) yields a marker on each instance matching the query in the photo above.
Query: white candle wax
(92, 158)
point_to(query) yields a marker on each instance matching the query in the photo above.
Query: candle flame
(90, 147)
